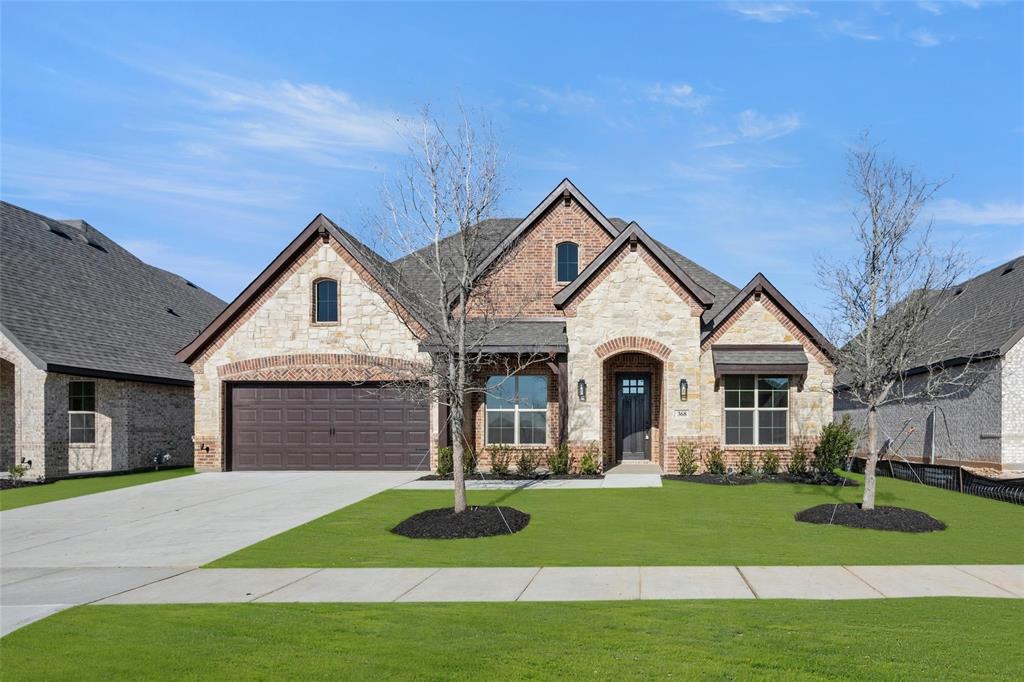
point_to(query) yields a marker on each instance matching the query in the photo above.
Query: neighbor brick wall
(524, 281)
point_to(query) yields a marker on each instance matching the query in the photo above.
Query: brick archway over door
(633, 343)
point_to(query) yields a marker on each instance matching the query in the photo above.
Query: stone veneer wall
(279, 324)
(631, 307)
(1012, 408)
(24, 424)
(810, 407)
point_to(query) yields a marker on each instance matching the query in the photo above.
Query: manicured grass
(794, 640)
(680, 524)
(61, 490)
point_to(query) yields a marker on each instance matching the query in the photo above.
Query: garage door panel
(333, 426)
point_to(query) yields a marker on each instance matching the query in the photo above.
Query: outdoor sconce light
(683, 389)
(581, 390)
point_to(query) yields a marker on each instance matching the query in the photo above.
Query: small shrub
(748, 466)
(558, 460)
(17, 472)
(526, 463)
(836, 444)
(686, 455)
(769, 463)
(501, 459)
(714, 461)
(798, 462)
(590, 462)
(445, 461)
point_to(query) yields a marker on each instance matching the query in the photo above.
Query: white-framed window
(325, 300)
(517, 410)
(82, 411)
(756, 410)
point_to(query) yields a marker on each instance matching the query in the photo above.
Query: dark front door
(325, 426)
(633, 400)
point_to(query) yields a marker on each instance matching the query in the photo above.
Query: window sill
(756, 447)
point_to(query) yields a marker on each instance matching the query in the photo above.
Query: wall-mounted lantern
(683, 389)
(581, 390)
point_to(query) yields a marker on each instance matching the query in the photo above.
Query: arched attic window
(325, 300)
(567, 261)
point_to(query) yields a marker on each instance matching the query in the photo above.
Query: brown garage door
(325, 426)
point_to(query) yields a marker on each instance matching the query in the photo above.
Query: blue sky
(204, 136)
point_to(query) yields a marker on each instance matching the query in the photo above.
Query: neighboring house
(979, 420)
(642, 350)
(88, 332)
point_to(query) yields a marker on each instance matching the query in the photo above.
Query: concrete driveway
(87, 548)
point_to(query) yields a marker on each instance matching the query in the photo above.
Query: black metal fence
(953, 478)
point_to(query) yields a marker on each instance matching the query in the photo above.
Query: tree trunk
(872, 461)
(458, 419)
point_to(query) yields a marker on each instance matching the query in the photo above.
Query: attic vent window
(959, 290)
(171, 311)
(1008, 269)
(96, 245)
(188, 283)
(59, 232)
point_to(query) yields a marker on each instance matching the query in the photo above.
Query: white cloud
(753, 125)
(680, 95)
(853, 30)
(924, 38)
(566, 100)
(988, 213)
(930, 7)
(769, 12)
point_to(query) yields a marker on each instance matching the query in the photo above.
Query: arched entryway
(633, 423)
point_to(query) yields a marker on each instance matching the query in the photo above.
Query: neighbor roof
(75, 301)
(983, 315)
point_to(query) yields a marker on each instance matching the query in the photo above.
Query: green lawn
(679, 524)
(794, 640)
(61, 490)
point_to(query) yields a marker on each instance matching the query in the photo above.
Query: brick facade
(525, 279)
(135, 421)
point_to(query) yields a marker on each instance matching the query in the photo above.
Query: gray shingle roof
(74, 305)
(986, 313)
(539, 335)
(493, 231)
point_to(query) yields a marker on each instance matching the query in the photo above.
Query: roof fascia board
(119, 376)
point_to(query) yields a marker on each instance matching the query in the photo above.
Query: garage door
(325, 426)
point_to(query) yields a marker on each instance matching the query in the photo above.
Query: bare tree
(436, 216)
(886, 295)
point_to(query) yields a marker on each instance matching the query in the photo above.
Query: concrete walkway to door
(86, 548)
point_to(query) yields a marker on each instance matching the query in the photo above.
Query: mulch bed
(543, 476)
(879, 518)
(742, 479)
(475, 522)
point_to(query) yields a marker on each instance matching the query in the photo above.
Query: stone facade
(632, 319)
(134, 421)
(1012, 407)
(761, 321)
(277, 339)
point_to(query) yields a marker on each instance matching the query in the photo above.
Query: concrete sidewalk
(576, 584)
